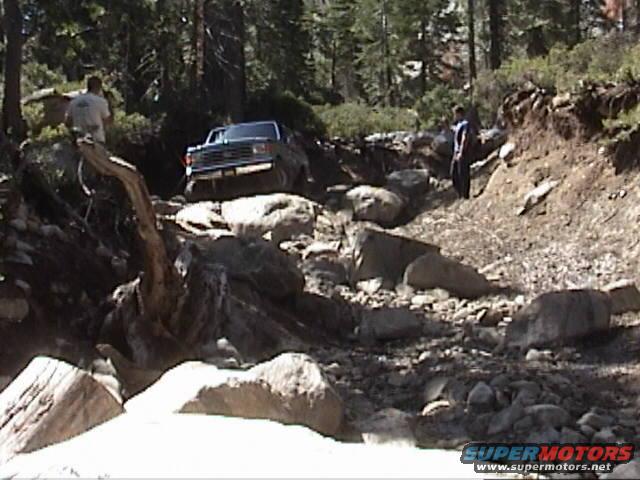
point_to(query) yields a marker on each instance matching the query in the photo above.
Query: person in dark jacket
(464, 149)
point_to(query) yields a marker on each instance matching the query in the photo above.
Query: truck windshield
(257, 130)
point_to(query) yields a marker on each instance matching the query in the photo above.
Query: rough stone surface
(290, 389)
(50, 401)
(13, 309)
(202, 216)
(312, 400)
(196, 446)
(390, 427)
(390, 324)
(280, 216)
(481, 398)
(371, 258)
(559, 317)
(375, 204)
(409, 183)
(549, 415)
(437, 271)
(625, 296)
(504, 420)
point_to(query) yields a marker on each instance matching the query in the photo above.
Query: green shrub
(286, 108)
(134, 128)
(607, 58)
(437, 104)
(356, 120)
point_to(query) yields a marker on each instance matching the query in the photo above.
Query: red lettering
(565, 454)
(611, 454)
(548, 454)
(595, 454)
(580, 452)
(626, 453)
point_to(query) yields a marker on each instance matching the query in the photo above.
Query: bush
(608, 58)
(356, 120)
(437, 104)
(133, 128)
(287, 109)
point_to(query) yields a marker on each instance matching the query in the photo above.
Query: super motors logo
(546, 458)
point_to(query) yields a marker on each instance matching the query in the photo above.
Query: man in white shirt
(89, 112)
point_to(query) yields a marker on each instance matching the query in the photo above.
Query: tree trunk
(233, 52)
(471, 27)
(387, 75)
(577, 18)
(198, 46)
(13, 122)
(160, 285)
(423, 59)
(495, 33)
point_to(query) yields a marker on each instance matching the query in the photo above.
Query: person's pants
(461, 176)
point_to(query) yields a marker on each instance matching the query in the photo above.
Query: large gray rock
(290, 389)
(437, 271)
(281, 216)
(629, 470)
(560, 317)
(372, 256)
(200, 216)
(49, 402)
(375, 204)
(409, 183)
(258, 262)
(197, 446)
(307, 393)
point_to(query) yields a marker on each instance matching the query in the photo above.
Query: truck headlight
(262, 148)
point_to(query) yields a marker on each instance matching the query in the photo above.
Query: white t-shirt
(88, 112)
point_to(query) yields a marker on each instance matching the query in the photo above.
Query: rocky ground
(423, 318)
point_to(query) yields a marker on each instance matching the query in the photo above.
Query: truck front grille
(231, 154)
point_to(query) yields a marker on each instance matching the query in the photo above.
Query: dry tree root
(160, 286)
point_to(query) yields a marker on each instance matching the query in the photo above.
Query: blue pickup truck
(263, 153)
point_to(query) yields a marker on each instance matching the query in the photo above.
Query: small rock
(595, 420)
(420, 300)
(504, 420)
(548, 435)
(481, 398)
(534, 355)
(4, 382)
(587, 431)
(18, 224)
(13, 309)
(629, 470)
(389, 427)
(549, 415)
(24, 286)
(489, 318)
(24, 247)
(568, 435)
(370, 286)
(398, 380)
(507, 151)
(605, 435)
(435, 388)
(51, 231)
(523, 425)
(104, 252)
(119, 266)
(390, 324)
(625, 296)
